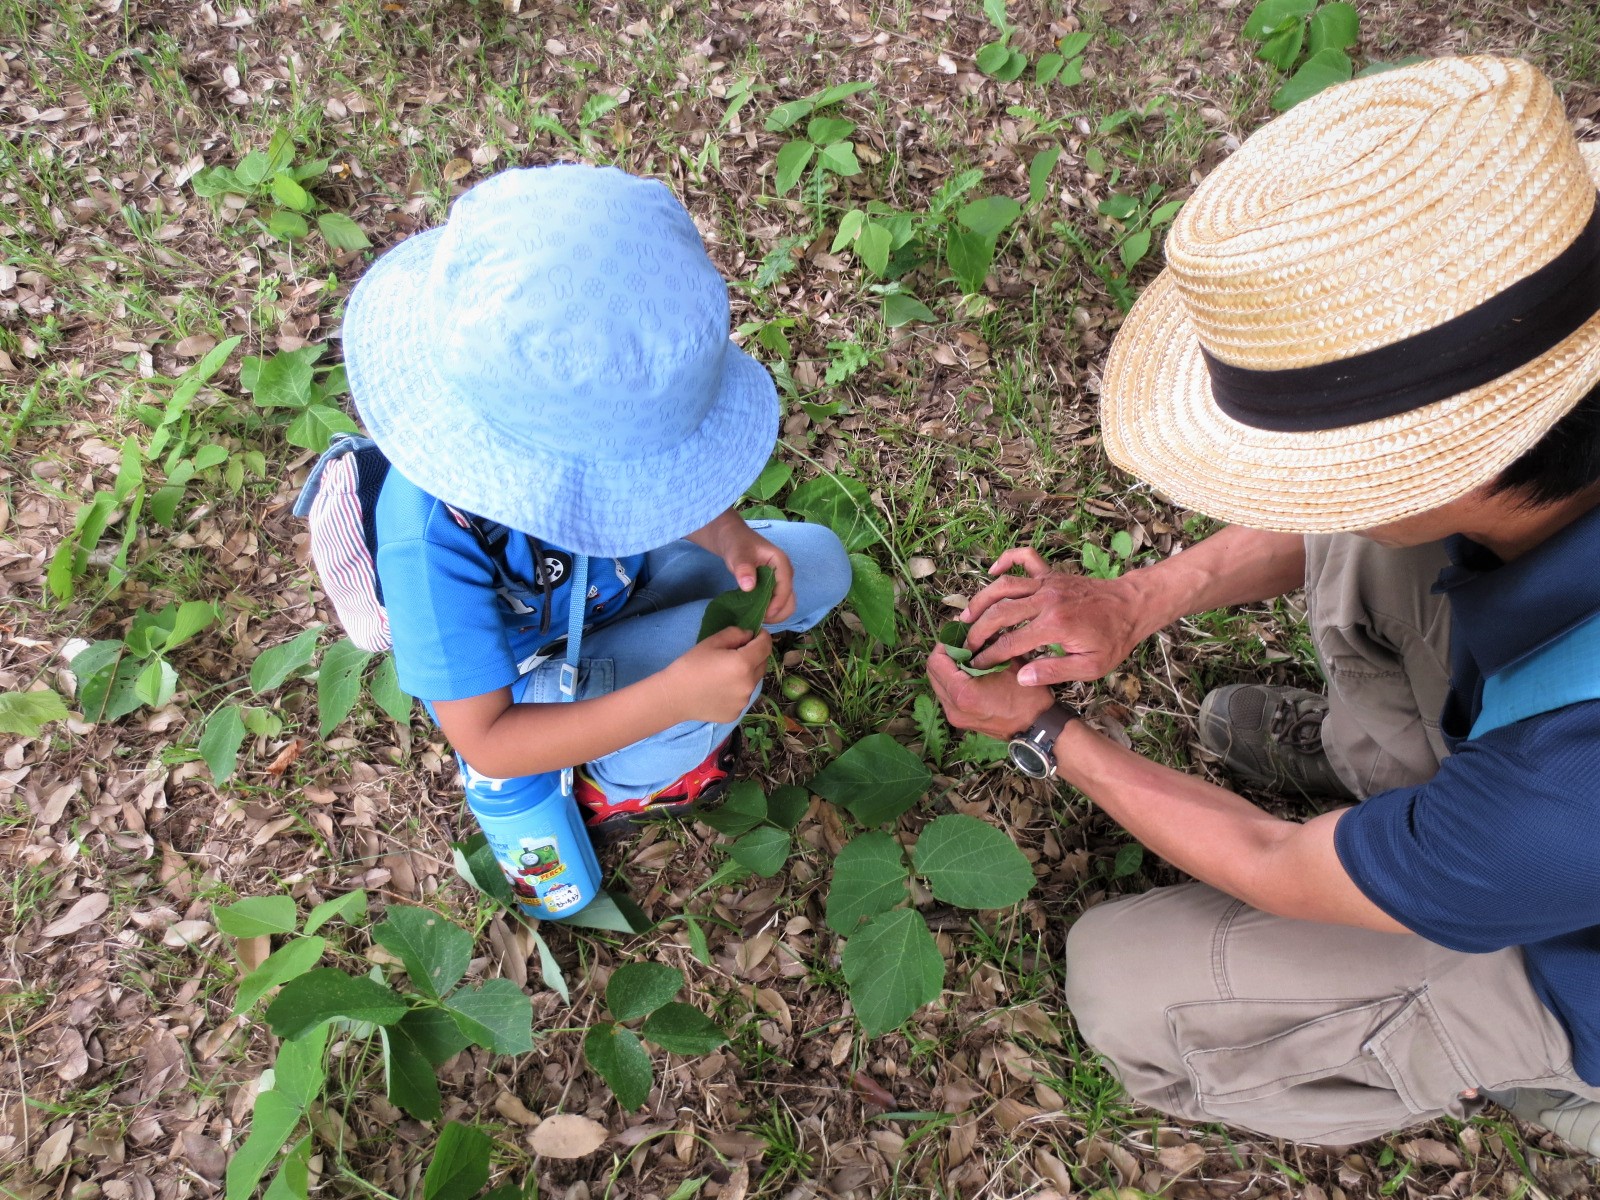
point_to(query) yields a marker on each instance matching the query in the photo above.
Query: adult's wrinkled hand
(1086, 626)
(995, 704)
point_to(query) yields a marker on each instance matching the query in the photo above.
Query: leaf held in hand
(742, 609)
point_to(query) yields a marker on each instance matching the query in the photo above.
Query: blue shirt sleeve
(1500, 848)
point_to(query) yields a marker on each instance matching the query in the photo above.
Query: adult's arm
(1096, 623)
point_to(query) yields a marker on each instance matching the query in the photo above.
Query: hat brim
(1160, 423)
(437, 438)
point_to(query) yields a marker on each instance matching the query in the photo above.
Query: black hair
(1561, 463)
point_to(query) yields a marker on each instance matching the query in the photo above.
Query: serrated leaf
(876, 779)
(639, 988)
(869, 877)
(787, 805)
(925, 715)
(901, 308)
(326, 994)
(339, 683)
(871, 597)
(793, 158)
(763, 850)
(274, 665)
(989, 215)
(842, 504)
(683, 1029)
(341, 233)
(26, 713)
(617, 1055)
(460, 1164)
(352, 906)
(980, 749)
(736, 608)
(257, 917)
(435, 951)
(1320, 71)
(500, 1008)
(289, 961)
(412, 1084)
(893, 967)
(744, 809)
(220, 741)
(971, 864)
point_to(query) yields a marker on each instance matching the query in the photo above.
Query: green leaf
(597, 106)
(315, 426)
(220, 741)
(412, 1084)
(287, 225)
(435, 951)
(869, 877)
(1047, 68)
(773, 479)
(877, 779)
(745, 610)
(280, 151)
(994, 58)
(1039, 169)
(989, 216)
(252, 168)
(901, 308)
(341, 233)
(192, 617)
(763, 850)
(272, 1121)
(274, 665)
(1321, 70)
(1283, 47)
(460, 1164)
(339, 683)
(793, 158)
(638, 988)
(1128, 861)
(283, 381)
(824, 131)
(683, 1029)
(981, 750)
(1334, 26)
(501, 1010)
(301, 1072)
(1133, 248)
(841, 91)
(873, 246)
(1270, 15)
(971, 864)
(352, 907)
(217, 181)
(995, 10)
(289, 961)
(844, 505)
(550, 969)
(293, 1180)
(1075, 44)
(698, 946)
(257, 916)
(1122, 543)
(1016, 64)
(387, 693)
(109, 693)
(475, 862)
(742, 811)
(787, 805)
(689, 1188)
(969, 256)
(1118, 206)
(871, 597)
(156, 683)
(893, 967)
(288, 192)
(850, 225)
(930, 724)
(326, 994)
(840, 158)
(436, 1033)
(26, 713)
(785, 115)
(1165, 213)
(618, 1057)
(606, 911)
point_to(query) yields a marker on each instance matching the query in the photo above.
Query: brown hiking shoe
(1271, 736)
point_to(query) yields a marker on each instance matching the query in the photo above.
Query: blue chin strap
(569, 670)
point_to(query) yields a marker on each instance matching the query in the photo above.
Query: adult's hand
(997, 704)
(1095, 623)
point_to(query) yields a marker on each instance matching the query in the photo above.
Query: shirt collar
(1505, 611)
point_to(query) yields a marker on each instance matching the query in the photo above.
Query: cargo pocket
(1328, 1072)
(542, 685)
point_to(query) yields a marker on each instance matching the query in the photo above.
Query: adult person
(1375, 351)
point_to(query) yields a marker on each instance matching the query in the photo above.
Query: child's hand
(713, 681)
(742, 549)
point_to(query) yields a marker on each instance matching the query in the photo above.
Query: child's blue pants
(660, 622)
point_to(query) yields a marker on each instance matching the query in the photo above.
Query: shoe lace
(1298, 726)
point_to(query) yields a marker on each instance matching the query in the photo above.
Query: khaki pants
(1212, 1011)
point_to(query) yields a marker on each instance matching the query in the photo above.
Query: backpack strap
(1565, 670)
(569, 670)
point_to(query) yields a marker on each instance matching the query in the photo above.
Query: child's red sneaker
(606, 820)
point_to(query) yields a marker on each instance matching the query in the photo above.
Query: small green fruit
(812, 710)
(794, 687)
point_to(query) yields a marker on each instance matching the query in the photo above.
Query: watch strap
(1050, 723)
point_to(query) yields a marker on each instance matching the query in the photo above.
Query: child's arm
(503, 740)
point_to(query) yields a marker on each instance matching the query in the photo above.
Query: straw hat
(1376, 305)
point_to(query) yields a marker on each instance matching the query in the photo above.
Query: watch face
(1029, 759)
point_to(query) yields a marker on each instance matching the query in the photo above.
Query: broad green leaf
(253, 168)
(327, 993)
(289, 961)
(876, 779)
(1119, 206)
(293, 1180)
(995, 10)
(638, 988)
(785, 115)
(341, 233)
(459, 1167)
(156, 683)
(1039, 168)
(282, 381)
(1283, 47)
(683, 1029)
(435, 1033)
(971, 864)
(274, 665)
(1128, 861)
(1320, 71)
(793, 158)
(763, 850)
(1016, 63)
(993, 58)
(1133, 248)
(824, 131)
(1071, 74)
(1334, 26)
(301, 1070)
(1165, 213)
(902, 308)
(220, 741)
(64, 568)
(287, 225)
(435, 951)
(742, 811)
(841, 91)
(476, 863)
(216, 181)
(874, 246)
(352, 907)
(257, 916)
(614, 912)
(989, 215)
(500, 1009)
(287, 191)
(850, 225)
(842, 504)
(96, 667)
(969, 256)
(314, 428)
(1270, 15)
(280, 151)
(550, 968)
(26, 713)
(210, 455)
(339, 683)
(1122, 543)
(840, 158)
(787, 805)
(1047, 68)
(762, 512)
(272, 1121)
(892, 967)
(412, 1084)
(746, 610)
(773, 479)
(1074, 44)
(869, 877)
(618, 1057)
(871, 597)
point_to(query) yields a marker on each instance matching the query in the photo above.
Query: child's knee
(821, 571)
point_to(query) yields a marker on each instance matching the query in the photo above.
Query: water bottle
(538, 838)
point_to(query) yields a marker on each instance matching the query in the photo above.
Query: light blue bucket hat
(556, 358)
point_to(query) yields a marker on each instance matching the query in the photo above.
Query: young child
(555, 361)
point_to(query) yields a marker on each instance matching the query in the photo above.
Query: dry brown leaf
(1428, 1150)
(1180, 1160)
(81, 915)
(513, 1109)
(252, 951)
(457, 168)
(567, 1135)
(53, 1150)
(72, 1060)
(195, 345)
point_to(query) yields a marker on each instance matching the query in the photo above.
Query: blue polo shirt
(458, 631)
(1502, 847)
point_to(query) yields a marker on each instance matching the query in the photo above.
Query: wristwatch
(1033, 751)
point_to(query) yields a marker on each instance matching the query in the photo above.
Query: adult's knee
(1106, 986)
